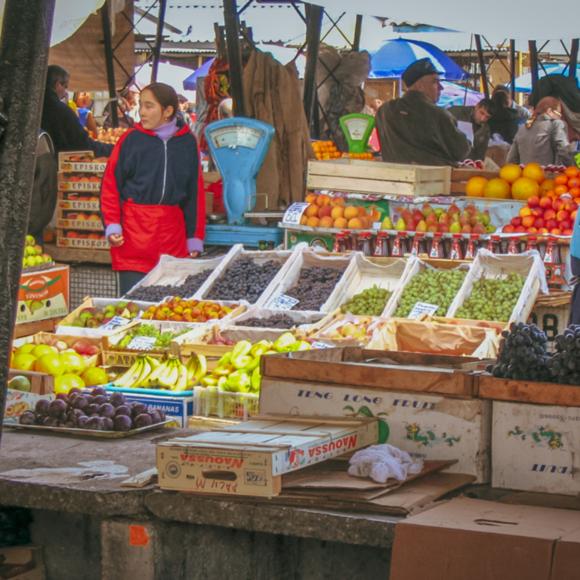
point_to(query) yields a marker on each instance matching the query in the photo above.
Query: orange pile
(325, 150)
(327, 211)
(513, 182)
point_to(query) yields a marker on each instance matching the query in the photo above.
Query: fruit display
(162, 338)
(432, 286)
(523, 355)
(492, 298)
(325, 211)
(313, 287)
(71, 366)
(111, 135)
(244, 279)
(370, 302)
(452, 220)
(357, 328)
(157, 292)
(93, 410)
(239, 369)
(34, 255)
(281, 321)
(149, 373)
(94, 317)
(180, 310)
(324, 150)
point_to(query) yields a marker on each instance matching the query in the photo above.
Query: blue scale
(238, 147)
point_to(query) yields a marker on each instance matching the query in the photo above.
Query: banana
(154, 378)
(169, 378)
(182, 382)
(153, 362)
(145, 372)
(131, 375)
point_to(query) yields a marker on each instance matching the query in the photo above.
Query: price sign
(115, 322)
(421, 308)
(284, 302)
(317, 344)
(142, 343)
(293, 214)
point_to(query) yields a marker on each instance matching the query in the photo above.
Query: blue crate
(223, 235)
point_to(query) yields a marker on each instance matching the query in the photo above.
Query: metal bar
(335, 25)
(109, 62)
(314, 16)
(513, 68)
(357, 32)
(573, 59)
(482, 67)
(24, 42)
(245, 6)
(158, 39)
(232, 25)
(293, 4)
(533, 62)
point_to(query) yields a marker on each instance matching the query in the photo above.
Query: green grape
(369, 302)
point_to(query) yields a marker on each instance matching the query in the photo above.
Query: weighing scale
(357, 128)
(238, 146)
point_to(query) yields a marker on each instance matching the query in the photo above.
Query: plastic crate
(213, 402)
(92, 281)
(222, 235)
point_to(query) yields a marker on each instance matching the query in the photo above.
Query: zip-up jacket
(145, 170)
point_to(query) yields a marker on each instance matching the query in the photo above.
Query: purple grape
(107, 410)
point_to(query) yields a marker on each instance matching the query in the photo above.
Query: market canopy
(523, 83)
(495, 18)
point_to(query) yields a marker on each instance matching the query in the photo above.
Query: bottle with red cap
(398, 250)
(436, 250)
(364, 243)
(456, 252)
(472, 247)
(381, 245)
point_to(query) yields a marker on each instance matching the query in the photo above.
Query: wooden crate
(64, 201)
(398, 371)
(250, 458)
(80, 243)
(77, 183)
(373, 177)
(460, 177)
(92, 225)
(81, 162)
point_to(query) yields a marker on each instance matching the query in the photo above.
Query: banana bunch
(137, 374)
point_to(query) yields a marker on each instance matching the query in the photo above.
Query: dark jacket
(414, 130)
(63, 126)
(505, 122)
(149, 171)
(481, 133)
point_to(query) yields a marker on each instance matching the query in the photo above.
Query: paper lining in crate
(302, 320)
(80, 242)
(486, 264)
(343, 329)
(215, 402)
(65, 326)
(310, 258)
(68, 201)
(377, 177)
(285, 257)
(173, 271)
(81, 162)
(414, 266)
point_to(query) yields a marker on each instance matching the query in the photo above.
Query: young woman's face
(152, 114)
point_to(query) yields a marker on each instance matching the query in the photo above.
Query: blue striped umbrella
(391, 60)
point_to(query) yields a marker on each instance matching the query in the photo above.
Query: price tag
(115, 322)
(142, 343)
(284, 302)
(421, 308)
(317, 344)
(293, 214)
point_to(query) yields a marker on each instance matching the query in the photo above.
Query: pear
(421, 226)
(400, 225)
(455, 227)
(387, 224)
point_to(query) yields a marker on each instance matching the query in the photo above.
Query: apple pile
(327, 211)
(452, 220)
(92, 317)
(34, 254)
(545, 215)
(179, 310)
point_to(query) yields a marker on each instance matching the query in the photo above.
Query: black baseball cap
(417, 70)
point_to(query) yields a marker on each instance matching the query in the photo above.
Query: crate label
(293, 214)
(421, 308)
(115, 322)
(317, 344)
(284, 302)
(142, 343)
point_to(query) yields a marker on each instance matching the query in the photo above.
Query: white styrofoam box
(486, 264)
(308, 258)
(536, 448)
(428, 426)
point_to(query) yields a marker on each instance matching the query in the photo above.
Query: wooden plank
(538, 393)
(29, 328)
(78, 255)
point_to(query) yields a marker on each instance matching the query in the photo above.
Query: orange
(310, 198)
(313, 222)
(303, 220)
(475, 186)
(340, 222)
(575, 192)
(326, 222)
(561, 180)
(351, 212)
(547, 185)
(525, 187)
(322, 200)
(324, 211)
(574, 182)
(510, 172)
(362, 212)
(560, 189)
(311, 210)
(572, 171)
(534, 171)
(355, 223)
(337, 212)
(498, 188)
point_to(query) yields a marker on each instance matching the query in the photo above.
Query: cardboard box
(535, 448)
(80, 242)
(482, 540)
(425, 425)
(43, 295)
(22, 563)
(69, 202)
(79, 183)
(81, 162)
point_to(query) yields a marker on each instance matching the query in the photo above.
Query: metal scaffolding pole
(573, 59)
(513, 68)
(158, 40)
(533, 62)
(108, 45)
(24, 44)
(232, 26)
(482, 67)
(314, 16)
(357, 32)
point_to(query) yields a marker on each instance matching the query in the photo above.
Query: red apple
(567, 232)
(539, 223)
(517, 221)
(556, 231)
(509, 229)
(562, 215)
(533, 201)
(546, 203)
(565, 225)
(549, 214)
(520, 229)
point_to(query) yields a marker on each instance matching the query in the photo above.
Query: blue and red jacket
(146, 181)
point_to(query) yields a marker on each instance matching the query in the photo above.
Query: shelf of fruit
(111, 135)
(35, 259)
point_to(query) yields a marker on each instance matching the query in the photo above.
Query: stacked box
(79, 223)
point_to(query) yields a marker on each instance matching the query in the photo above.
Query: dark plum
(57, 408)
(122, 423)
(138, 409)
(156, 293)
(27, 418)
(80, 402)
(108, 424)
(98, 391)
(117, 399)
(100, 400)
(94, 423)
(41, 407)
(82, 422)
(92, 409)
(107, 410)
(50, 422)
(123, 410)
(155, 416)
(143, 420)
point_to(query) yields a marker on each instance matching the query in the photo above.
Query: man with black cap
(413, 129)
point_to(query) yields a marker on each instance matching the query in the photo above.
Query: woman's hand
(194, 255)
(116, 240)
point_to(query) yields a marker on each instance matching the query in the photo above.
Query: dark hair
(54, 74)
(500, 99)
(488, 105)
(164, 95)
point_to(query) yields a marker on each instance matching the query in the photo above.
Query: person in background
(413, 129)
(59, 121)
(544, 137)
(84, 104)
(126, 102)
(478, 117)
(508, 116)
(152, 197)
(184, 111)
